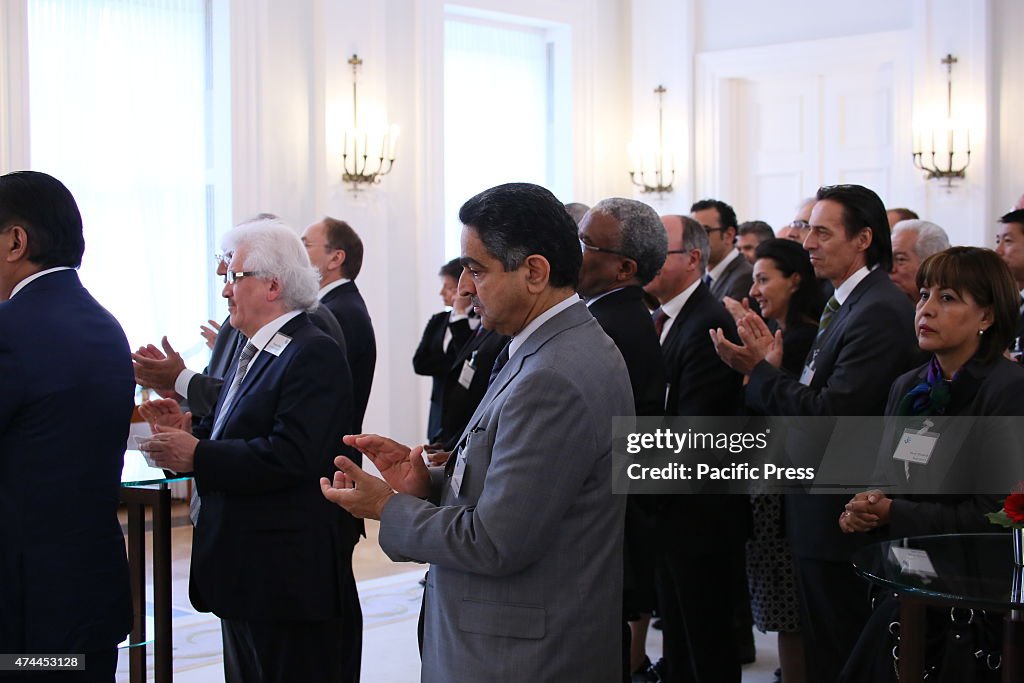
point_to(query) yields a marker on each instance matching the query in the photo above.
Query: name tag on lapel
(466, 376)
(916, 446)
(278, 344)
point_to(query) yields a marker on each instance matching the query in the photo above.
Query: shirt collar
(600, 296)
(519, 339)
(267, 332)
(717, 271)
(35, 276)
(673, 306)
(326, 289)
(844, 290)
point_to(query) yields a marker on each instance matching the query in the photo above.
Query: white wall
(667, 43)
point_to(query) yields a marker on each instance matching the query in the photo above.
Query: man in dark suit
(865, 341)
(270, 556)
(465, 383)
(624, 246)
(701, 535)
(728, 273)
(65, 407)
(336, 251)
(443, 336)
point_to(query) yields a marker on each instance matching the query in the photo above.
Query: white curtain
(496, 112)
(118, 114)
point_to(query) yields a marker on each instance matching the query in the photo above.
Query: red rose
(1014, 506)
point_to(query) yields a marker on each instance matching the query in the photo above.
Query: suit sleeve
(203, 392)
(310, 404)
(430, 358)
(703, 384)
(544, 449)
(921, 518)
(876, 349)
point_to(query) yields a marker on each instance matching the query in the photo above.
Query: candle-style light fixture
(368, 154)
(647, 165)
(935, 146)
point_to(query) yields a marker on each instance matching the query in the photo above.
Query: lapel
(575, 315)
(841, 316)
(260, 363)
(675, 333)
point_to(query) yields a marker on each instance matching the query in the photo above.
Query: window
(504, 113)
(118, 97)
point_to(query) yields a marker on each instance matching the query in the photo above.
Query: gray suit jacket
(526, 575)
(735, 281)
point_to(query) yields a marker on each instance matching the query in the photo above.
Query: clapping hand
(362, 494)
(866, 511)
(210, 333)
(758, 344)
(402, 467)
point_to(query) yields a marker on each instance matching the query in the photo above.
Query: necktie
(243, 365)
(826, 315)
(708, 279)
(248, 353)
(499, 363)
(660, 318)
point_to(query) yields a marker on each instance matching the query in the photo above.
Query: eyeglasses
(799, 225)
(709, 229)
(590, 247)
(224, 257)
(233, 276)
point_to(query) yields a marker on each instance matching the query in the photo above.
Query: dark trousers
(272, 651)
(100, 667)
(696, 596)
(834, 607)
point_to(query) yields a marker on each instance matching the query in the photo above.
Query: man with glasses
(336, 251)
(270, 557)
(798, 228)
(624, 246)
(165, 372)
(698, 558)
(728, 274)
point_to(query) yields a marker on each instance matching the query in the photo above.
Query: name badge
(278, 344)
(915, 447)
(914, 561)
(466, 376)
(807, 376)
(460, 470)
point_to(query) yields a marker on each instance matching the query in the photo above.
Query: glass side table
(970, 571)
(143, 486)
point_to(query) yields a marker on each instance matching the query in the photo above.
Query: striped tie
(826, 316)
(243, 365)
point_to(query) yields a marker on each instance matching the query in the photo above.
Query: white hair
(274, 251)
(931, 239)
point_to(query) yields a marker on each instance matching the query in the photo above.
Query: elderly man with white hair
(912, 242)
(270, 556)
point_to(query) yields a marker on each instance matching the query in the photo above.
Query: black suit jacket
(964, 448)
(66, 396)
(458, 403)
(700, 384)
(735, 281)
(624, 317)
(267, 545)
(869, 343)
(349, 308)
(433, 360)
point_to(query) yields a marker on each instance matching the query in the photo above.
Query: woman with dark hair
(966, 316)
(788, 293)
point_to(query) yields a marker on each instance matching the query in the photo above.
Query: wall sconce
(359, 154)
(649, 161)
(944, 140)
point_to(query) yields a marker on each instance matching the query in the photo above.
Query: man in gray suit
(521, 528)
